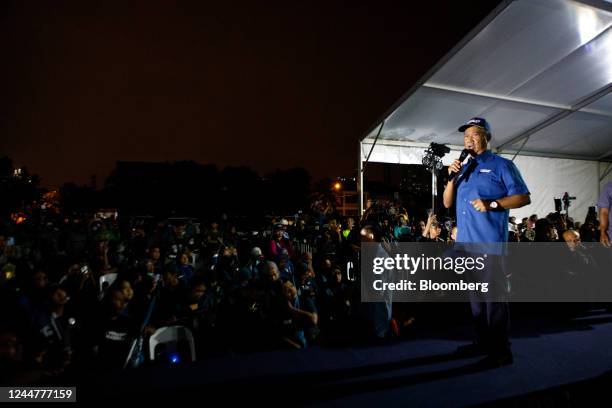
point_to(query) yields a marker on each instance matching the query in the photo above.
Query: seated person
(297, 318)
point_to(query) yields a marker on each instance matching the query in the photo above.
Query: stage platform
(419, 371)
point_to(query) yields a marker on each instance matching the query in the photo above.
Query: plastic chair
(171, 335)
(108, 279)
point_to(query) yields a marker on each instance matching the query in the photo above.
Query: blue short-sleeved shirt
(605, 201)
(492, 178)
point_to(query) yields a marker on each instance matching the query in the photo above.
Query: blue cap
(480, 122)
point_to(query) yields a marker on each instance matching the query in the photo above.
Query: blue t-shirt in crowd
(488, 177)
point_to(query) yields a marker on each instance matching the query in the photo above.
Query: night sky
(86, 83)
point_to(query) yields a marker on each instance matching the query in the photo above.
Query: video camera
(433, 155)
(567, 199)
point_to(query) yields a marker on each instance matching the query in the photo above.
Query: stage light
(175, 359)
(337, 186)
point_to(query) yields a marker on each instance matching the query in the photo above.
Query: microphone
(464, 154)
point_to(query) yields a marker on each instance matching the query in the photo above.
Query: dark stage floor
(418, 371)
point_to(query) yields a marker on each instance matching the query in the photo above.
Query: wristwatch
(493, 204)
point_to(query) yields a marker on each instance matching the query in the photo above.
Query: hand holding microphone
(455, 166)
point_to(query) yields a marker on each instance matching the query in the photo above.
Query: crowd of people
(79, 291)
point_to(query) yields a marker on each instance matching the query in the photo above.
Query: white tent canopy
(540, 71)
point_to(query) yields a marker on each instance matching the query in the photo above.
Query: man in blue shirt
(605, 214)
(484, 190)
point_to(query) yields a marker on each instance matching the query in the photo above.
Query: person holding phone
(432, 230)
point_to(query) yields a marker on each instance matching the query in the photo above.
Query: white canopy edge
(546, 177)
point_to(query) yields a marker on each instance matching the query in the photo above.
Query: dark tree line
(183, 188)
(189, 188)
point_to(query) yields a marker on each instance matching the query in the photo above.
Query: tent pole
(362, 166)
(373, 144)
(607, 171)
(360, 179)
(433, 190)
(598, 179)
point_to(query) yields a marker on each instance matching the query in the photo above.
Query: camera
(433, 155)
(439, 149)
(567, 200)
(558, 205)
(564, 202)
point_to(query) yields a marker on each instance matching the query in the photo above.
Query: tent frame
(565, 110)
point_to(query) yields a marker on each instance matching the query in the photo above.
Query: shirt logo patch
(485, 170)
(115, 336)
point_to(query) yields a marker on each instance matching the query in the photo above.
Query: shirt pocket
(489, 185)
